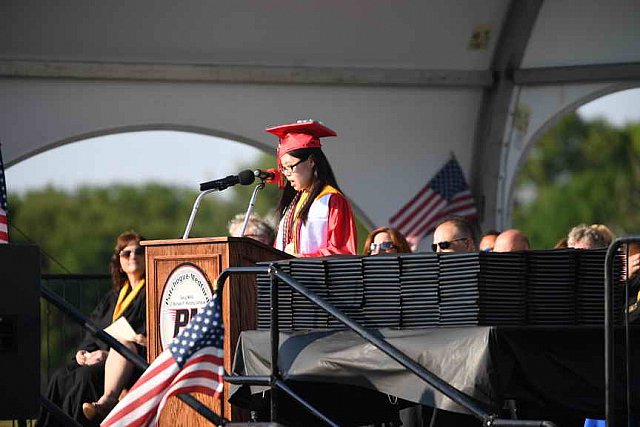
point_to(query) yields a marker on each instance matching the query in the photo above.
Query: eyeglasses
(288, 170)
(445, 245)
(127, 253)
(384, 246)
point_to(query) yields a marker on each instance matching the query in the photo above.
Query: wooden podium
(172, 265)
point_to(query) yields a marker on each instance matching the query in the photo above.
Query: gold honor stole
(126, 296)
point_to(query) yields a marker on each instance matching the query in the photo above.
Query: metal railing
(59, 334)
(609, 332)
(114, 344)
(275, 382)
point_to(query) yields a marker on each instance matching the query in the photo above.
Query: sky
(618, 108)
(151, 156)
(133, 158)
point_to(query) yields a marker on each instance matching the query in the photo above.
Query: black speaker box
(19, 331)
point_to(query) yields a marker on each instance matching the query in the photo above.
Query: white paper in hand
(121, 330)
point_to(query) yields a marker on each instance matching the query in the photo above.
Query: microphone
(245, 177)
(270, 176)
(264, 174)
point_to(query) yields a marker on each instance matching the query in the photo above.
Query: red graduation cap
(301, 134)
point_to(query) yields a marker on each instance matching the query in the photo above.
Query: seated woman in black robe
(97, 374)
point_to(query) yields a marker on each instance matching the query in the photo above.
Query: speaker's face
(132, 259)
(297, 171)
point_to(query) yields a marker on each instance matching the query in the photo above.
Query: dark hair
(461, 224)
(562, 243)
(490, 232)
(323, 176)
(401, 244)
(118, 277)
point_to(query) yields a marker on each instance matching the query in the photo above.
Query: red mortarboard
(301, 134)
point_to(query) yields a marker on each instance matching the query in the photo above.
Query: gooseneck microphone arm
(245, 177)
(194, 211)
(252, 204)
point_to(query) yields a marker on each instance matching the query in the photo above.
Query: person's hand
(634, 264)
(81, 357)
(140, 339)
(96, 357)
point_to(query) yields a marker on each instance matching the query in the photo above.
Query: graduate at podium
(315, 218)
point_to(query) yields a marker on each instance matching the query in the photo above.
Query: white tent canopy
(404, 83)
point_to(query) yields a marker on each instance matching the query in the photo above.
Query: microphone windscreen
(246, 177)
(277, 177)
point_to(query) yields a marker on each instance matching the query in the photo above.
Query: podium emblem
(185, 293)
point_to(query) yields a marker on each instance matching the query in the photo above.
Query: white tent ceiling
(397, 80)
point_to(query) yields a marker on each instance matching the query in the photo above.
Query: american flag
(447, 194)
(192, 363)
(4, 222)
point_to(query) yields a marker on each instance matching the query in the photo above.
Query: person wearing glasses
(89, 385)
(453, 234)
(315, 218)
(385, 240)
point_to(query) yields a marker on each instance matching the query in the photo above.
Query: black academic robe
(72, 384)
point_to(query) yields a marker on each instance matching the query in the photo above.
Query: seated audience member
(488, 240)
(414, 242)
(510, 241)
(633, 281)
(257, 229)
(606, 233)
(585, 237)
(634, 259)
(561, 244)
(97, 374)
(385, 240)
(453, 234)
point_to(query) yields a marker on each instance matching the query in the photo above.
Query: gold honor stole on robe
(293, 247)
(125, 297)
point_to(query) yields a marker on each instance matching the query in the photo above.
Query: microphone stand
(194, 211)
(252, 204)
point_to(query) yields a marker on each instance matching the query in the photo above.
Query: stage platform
(552, 373)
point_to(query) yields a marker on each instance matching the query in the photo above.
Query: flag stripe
(426, 204)
(427, 217)
(4, 221)
(194, 361)
(394, 218)
(182, 390)
(140, 397)
(138, 406)
(409, 212)
(463, 211)
(455, 209)
(200, 375)
(446, 194)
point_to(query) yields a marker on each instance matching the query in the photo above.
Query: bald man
(510, 241)
(453, 235)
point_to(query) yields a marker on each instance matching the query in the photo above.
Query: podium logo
(185, 293)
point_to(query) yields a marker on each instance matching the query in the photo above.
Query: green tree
(580, 172)
(78, 228)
